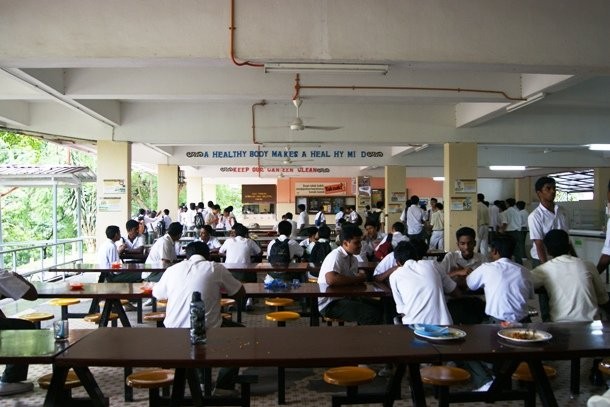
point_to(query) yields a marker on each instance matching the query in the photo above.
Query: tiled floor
(304, 386)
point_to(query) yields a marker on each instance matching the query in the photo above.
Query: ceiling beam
(15, 113)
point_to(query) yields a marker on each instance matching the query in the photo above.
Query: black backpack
(319, 252)
(161, 227)
(199, 222)
(280, 252)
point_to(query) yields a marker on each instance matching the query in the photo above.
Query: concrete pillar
(193, 190)
(209, 192)
(113, 186)
(167, 189)
(601, 177)
(459, 188)
(524, 190)
(395, 194)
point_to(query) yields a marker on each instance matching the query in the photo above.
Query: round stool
(225, 302)
(329, 321)
(156, 317)
(278, 303)
(72, 381)
(37, 318)
(95, 318)
(349, 377)
(443, 377)
(312, 280)
(281, 317)
(162, 303)
(153, 380)
(63, 303)
(523, 373)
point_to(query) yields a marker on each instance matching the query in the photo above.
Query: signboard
(465, 186)
(251, 194)
(114, 186)
(109, 204)
(320, 188)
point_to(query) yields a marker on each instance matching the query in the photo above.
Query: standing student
(437, 223)
(604, 259)
(512, 227)
(414, 219)
(482, 225)
(303, 219)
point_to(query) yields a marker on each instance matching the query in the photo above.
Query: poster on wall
(320, 188)
(465, 186)
(114, 186)
(110, 204)
(460, 203)
(398, 197)
(258, 194)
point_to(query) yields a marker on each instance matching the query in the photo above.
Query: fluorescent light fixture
(599, 147)
(507, 167)
(320, 67)
(438, 178)
(534, 98)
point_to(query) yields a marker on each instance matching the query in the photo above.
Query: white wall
(496, 188)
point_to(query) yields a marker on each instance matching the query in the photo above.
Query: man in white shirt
(419, 288)
(507, 285)
(464, 260)
(545, 217)
(303, 219)
(414, 219)
(13, 285)
(240, 249)
(338, 216)
(574, 286)
(340, 268)
(209, 278)
(108, 253)
(371, 239)
(494, 218)
(164, 250)
(133, 242)
(437, 223)
(512, 227)
(284, 228)
(482, 225)
(190, 216)
(523, 213)
(319, 219)
(293, 225)
(206, 235)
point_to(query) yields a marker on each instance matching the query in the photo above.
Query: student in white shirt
(414, 219)
(464, 260)
(319, 219)
(293, 229)
(512, 227)
(303, 219)
(206, 235)
(507, 285)
(133, 242)
(164, 250)
(482, 225)
(604, 258)
(295, 250)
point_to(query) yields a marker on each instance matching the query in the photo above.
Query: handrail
(40, 257)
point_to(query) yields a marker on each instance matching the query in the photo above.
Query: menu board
(253, 194)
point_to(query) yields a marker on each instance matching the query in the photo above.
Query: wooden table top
(96, 268)
(37, 346)
(316, 290)
(267, 267)
(249, 347)
(570, 340)
(130, 291)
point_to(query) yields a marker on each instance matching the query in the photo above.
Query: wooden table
(311, 292)
(241, 347)
(34, 346)
(96, 268)
(112, 293)
(570, 341)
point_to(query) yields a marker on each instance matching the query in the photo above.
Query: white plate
(532, 335)
(452, 334)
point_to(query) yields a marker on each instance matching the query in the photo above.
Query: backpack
(318, 221)
(358, 220)
(280, 252)
(199, 222)
(319, 252)
(161, 227)
(384, 248)
(373, 217)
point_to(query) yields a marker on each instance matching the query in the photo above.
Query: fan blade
(323, 127)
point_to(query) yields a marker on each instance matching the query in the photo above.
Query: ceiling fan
(297, 122)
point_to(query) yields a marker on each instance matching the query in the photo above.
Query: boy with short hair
(464, 260)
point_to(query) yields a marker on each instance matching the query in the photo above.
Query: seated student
(279, 255)
(240, 249)
(307, 244)
(108, 253)
(371, 239)
(387, 266)
(464, 260)
(419, 288)
(340, 268)
(294, 231)
(163, 251)
(206, 235)
(507, 284)
(209, 278)
(134, 241)
(13, 285)
(321, 248)
(574, 287)
(396, 236)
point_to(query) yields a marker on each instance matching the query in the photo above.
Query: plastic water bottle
(197, 319)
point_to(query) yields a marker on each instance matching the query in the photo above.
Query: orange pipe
(298, 87)
(232, 48)
(258, 159)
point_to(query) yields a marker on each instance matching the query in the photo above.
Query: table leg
(54, 393)
(417, 387)
(314, 313)
(177, 398)
(575, 376)
(105, 315)
(194, 387)
(543, 387)
(121, 313)
(240, 304)
(139, 311)
(93, 390)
